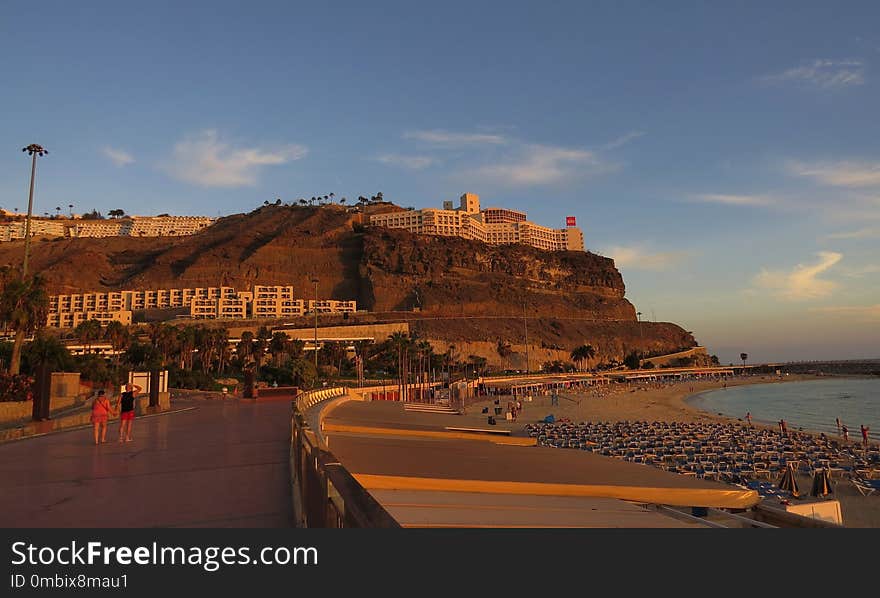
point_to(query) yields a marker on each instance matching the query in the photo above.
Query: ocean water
(810, 404)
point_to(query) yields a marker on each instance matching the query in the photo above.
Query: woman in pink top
(101, 411)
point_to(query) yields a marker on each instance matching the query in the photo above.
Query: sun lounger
(866, 487)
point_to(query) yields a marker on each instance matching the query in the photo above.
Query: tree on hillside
(117, 213)
(302, 202)
(24, 305)
(93, 215)
(632, 360)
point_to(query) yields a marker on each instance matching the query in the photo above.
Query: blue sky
(726, 156)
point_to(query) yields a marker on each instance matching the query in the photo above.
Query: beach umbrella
(788, 482)
(821, 483)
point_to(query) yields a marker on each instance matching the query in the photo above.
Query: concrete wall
(661, 360)
(379, 332)
(64, 393)
(18, 410)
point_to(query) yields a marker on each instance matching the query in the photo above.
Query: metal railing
(325, 494)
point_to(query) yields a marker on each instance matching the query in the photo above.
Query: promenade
(219, 463)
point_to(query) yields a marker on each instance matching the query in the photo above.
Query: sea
(811, 405)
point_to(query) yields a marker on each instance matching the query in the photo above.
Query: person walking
(126, 411)
(837, 420)
(749, 418)
(101, 410)
(845, 433)
(864, 429)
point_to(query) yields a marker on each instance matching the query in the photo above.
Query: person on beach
(837, 420)
(101, 410)
(865, 435)
(845, 432)
(126, 411)
(749, 418)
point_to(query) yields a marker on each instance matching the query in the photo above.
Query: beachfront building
(496, 226)
(67, 311)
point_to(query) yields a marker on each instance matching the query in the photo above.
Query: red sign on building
(570, 221)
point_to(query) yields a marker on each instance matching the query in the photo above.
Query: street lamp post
(315, 309)
(526, 327)
(33, 150)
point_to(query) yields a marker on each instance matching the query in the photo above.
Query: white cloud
(861, 312)
(825, 74)
(452, 139)
(862, 233)
(635, 257)
(735, 200)
(623, 140)
(839, 174)
(801, 283)
(117, 156)
(541, 165)
(206, 160)
(411, 162)
(861, 271)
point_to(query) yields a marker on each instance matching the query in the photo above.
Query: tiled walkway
(217, 464)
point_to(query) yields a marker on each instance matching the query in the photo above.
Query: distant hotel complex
(68, 311)
(497, 226)
(131, 226)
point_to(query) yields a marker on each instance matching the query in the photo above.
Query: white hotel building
(204, 303)
(497, 226)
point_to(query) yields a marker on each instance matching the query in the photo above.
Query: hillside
(383, 270)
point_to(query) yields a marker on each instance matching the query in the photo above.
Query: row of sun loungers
(721, 451)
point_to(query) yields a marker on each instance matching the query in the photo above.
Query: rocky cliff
(383, 270)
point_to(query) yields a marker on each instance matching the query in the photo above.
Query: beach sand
(668, 403)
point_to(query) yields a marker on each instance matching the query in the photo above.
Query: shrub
(16, 388)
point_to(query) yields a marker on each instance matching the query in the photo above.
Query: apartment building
(66, 311)
(329, 306)
(165, 226)
(493, 225)
(11, 231)
(72, 319)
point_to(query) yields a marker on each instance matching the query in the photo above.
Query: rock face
(453, 276)
(383, 270)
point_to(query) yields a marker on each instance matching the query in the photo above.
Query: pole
(526, 326)
(315, 308)
(27, 226)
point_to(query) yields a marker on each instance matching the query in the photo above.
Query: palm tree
(87, 332)
(117, 334)
(245, 346)
(24, 306)
(277, 346)
(744, 356)
(70, 207)
(401, 343)
(581, 354)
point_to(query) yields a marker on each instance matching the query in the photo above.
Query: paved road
(218, 464)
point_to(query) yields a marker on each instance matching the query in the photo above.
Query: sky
(725, 154)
